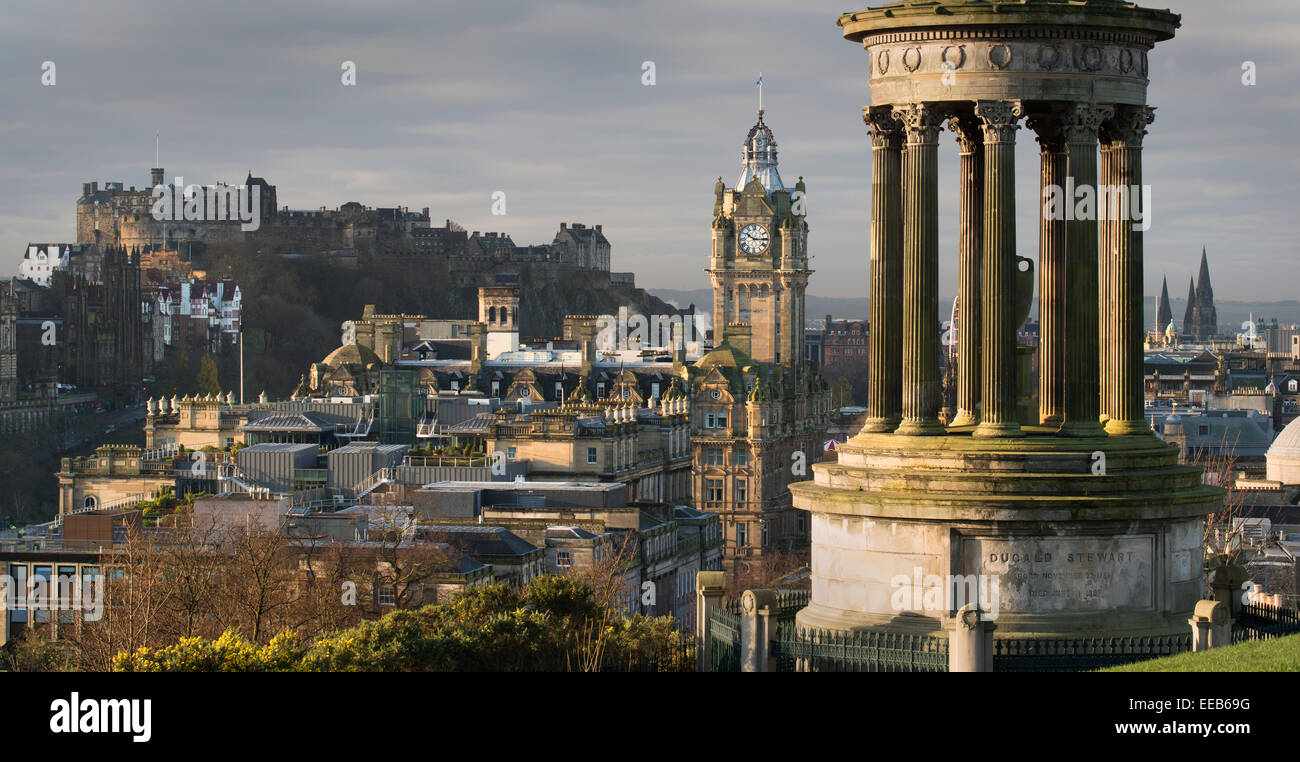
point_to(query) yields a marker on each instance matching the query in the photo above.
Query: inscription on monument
(1048, 574)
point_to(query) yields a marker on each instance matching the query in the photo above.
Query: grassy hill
(1276, 655)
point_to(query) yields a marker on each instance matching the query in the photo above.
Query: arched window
(492, 315)
(89, 502)
(505, 316)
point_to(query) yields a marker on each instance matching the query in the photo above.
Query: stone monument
(1073, 515)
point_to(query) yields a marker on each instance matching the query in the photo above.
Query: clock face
(753, 239)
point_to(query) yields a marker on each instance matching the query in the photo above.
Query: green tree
(207, 379)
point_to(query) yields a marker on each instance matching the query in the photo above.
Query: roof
(569, 533)
(305, 422)
(1287, 444)
(479, 540)
(352, 354)
(280, 447)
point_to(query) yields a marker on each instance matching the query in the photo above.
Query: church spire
(1189, 316)
(1163, 313)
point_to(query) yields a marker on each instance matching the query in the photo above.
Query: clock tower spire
(759, 264)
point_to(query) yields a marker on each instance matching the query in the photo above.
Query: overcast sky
(456, 100)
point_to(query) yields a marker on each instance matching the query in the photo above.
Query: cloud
(545, 101)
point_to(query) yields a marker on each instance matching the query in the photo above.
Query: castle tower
(498, 310)
(1015, 499)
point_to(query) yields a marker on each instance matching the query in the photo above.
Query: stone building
(102, 330)
(583, 247)
(759, 409)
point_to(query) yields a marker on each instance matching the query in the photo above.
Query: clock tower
(759, 265)
(759, 409)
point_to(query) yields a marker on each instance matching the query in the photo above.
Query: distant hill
(1231, 313)
(818, 307)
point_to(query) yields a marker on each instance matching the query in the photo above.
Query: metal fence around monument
(724, 640)
(1261, 621)
(807, 650)
(1081, 654)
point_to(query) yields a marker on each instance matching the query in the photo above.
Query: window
(742, 458)
(563, 558)
(654, 389)
(713, 456)
(722, 420)
(510, 453)
(387, 595)
(1203, 429)
(741, 539)
(709, 421)
(765, 534)
(591, 456)
(496, 388)
(600, 389)
(17, 598)
(559, 392)
(713, 489)
(89, 502)
(455, 386)
(740, 490)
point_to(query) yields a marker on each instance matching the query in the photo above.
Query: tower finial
(759, 82)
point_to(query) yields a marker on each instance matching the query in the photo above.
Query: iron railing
(724, 641)
(810, 650)
(1081, 654)
(1261, 621)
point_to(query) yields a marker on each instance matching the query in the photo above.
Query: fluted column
(1000, 120)
(1105, 289)
(1051, 273)
(1082, 389)
(970, 227)
(921, 123)
(1122, 269)
(885, 330)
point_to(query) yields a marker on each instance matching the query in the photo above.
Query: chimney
(86, 189)
(678, 346)
(478, 348)
(587, 340)
(738, 336)
(563, 225)
(598, 228)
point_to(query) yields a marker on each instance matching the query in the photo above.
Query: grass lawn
(1276, 655)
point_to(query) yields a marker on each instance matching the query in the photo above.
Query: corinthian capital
(885, 131)
(1047, 128)
(1000, 120)
(921, 122)
(1083, 120)
(966, 129)
(1128, 126)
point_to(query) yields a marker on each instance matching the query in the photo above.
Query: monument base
(1051, 536)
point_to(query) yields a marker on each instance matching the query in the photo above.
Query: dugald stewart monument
(1081, 518)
